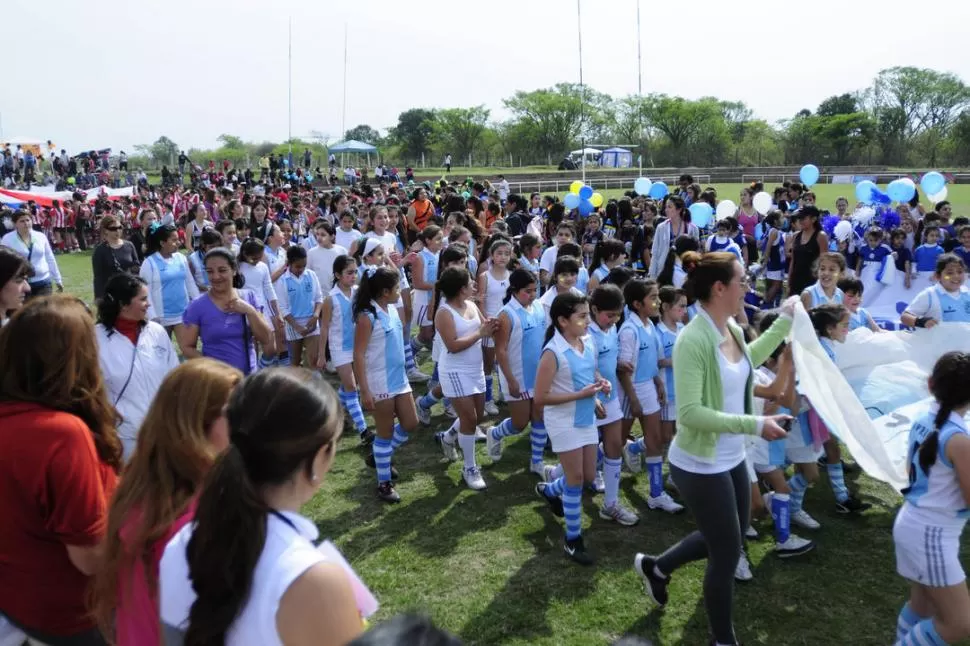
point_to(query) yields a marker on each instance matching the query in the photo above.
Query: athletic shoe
(450, 411)
(415, 376)
(369, 461)
(619, 514)
(742, 573)
(386, 492)
(555, 502)
(634, 463)
(448, 445)
(493, 446)
(852, 505)
(491, 409)
(367, 437)
(424, 414)
(576, 550)
(803, 520)
(751, 533)
(654, 585)
(664, 502)
(794, 546)
(539, 469)
(549, 472)
(597, 485)
(480, 434)
(473, 478)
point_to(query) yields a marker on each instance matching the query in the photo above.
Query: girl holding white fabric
(947, 301)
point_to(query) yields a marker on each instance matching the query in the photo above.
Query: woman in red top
(59, 460)
(179, 440)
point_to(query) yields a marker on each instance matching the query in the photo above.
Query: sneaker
(549, 472)
(803, 520)
(369, 461)
(480, 434)
(794, 546)
(473, 478)
(450, 412)
(539, 469)
(598, 485)
(742, 573)
(634, 463)
(852, 505)
(619, 514)
(448, 445)
(653, 584)
(367, 438)
(751, 533)
(576, 550)
(424, 414)
(415, 376)
(665, 503)
(493, 446)
(386, 492)
(491, 409)
(555, 502)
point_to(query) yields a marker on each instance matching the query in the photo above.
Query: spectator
(113, 256)
(36, 248)
(14, 274)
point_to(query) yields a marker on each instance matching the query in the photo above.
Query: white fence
(598, 183)
(882, 177)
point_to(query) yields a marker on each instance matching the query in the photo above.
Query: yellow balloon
(576, 186)
(597, 200)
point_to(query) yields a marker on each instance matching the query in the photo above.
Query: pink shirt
(747, 222)
(136, 622)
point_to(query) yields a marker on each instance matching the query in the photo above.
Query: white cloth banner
(868, 400)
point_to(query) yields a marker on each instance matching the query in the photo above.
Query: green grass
(489, 566)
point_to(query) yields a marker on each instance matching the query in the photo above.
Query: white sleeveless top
(495, 290)
(469, 360)
(287, 554)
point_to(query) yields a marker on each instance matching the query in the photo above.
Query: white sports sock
(467, 444)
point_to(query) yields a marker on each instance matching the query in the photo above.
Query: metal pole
(343, 121)
(582, 89)
(289, 89)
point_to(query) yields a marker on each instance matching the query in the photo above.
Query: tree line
(907, 116)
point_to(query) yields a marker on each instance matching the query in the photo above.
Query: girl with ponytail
(929, 525)
(246, 571)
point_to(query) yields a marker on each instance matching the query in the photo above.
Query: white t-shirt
(320, 260)
(548, 260)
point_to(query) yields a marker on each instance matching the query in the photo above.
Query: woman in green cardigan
(713, 370)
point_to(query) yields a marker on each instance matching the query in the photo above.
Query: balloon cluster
(656, 190)
(582, 197)
(934, 185)
(867, 192)
(903, 189)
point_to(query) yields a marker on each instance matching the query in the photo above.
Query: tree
(460, 129)
(554, 116)
(695, 130)
(363, 133)
(413, 131)
(232, 142)
(163, 151)
(844, 133)
(840, 104)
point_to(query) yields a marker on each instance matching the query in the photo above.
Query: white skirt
(420, 308)
(461, 384)
(293, 335)
(775, 274)
(569, 439)
(340, 357)
(925, 553)
(647, 394)
(668, 413)
(503, 383)
(614, 412)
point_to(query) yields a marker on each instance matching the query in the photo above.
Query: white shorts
(293, 335)
(765, 456)
(775, 274)
(504, 385)
(647, 394)
(614, 412)
(340, 358)
(461, 384)
(668, 412)
(420, 309)
(569, 439)
(169, 321)
(925, 553)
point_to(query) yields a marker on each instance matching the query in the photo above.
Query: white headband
(372, 243)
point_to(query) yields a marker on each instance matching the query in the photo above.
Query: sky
(115, 73)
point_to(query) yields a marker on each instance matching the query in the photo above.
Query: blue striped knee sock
(351, 402)
(781, 514)
(907, 619)
(571, 504)
(557, 472)
(555, 488)
(400, 437)
(638, 447)
(798, 485)
(409, 364)
(655, 471)
(434, 381)
(283, 359)
(382, 458)
(923, 634)
(266, 362)
(611, 476)
(837, 480)
(427, 400)
(538, 437)
(488, 388)
(505, 429)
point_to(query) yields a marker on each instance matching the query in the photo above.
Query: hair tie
(370, 271)
(154, 226)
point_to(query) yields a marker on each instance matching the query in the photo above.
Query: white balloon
(726, 208)
(762, 203)
(843, 230)
(938, 197)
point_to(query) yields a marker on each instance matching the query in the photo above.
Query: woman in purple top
(226, 317)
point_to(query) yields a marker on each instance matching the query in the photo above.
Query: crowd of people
(168, 486)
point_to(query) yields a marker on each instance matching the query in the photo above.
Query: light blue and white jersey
(668, 338)
(170, 287)
(937, 492)
(641, 347)
(956, 306)
(582, 279)
(528, 329)
(197, 261)
(601, 272)
(574, 371)
(298, 295)
(819, 297)
(607, 344)
(829, 346)
(859, 319)
(274, 260)
(341, 332)
(531, 265)
(384, 354)
(429, 273)
(691, 312)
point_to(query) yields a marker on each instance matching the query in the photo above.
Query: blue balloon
(585, 206)
(701, 214)
(932, 183)
(309, 177)
(586, 192)
(642, 186)
(658, 190)
(901, 190)
(571, 201)
(863, 191)
(809, 174)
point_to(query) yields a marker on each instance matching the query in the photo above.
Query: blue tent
(352, 146)
(616, 158)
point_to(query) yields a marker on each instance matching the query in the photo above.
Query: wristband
(922, 321)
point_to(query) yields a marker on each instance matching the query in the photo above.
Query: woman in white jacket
(136, 354)
(677, 224)
(166, 272)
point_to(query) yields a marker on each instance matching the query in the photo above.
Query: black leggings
(721, 504)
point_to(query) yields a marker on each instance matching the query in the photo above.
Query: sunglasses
(113, 228)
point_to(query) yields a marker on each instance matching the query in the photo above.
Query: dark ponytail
(607, 250)
(120, 291)
(372, 283)
(519, 279)
(682, 245)
(564, 304)
(948, 385)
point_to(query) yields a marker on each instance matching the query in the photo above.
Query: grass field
(489, 566)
